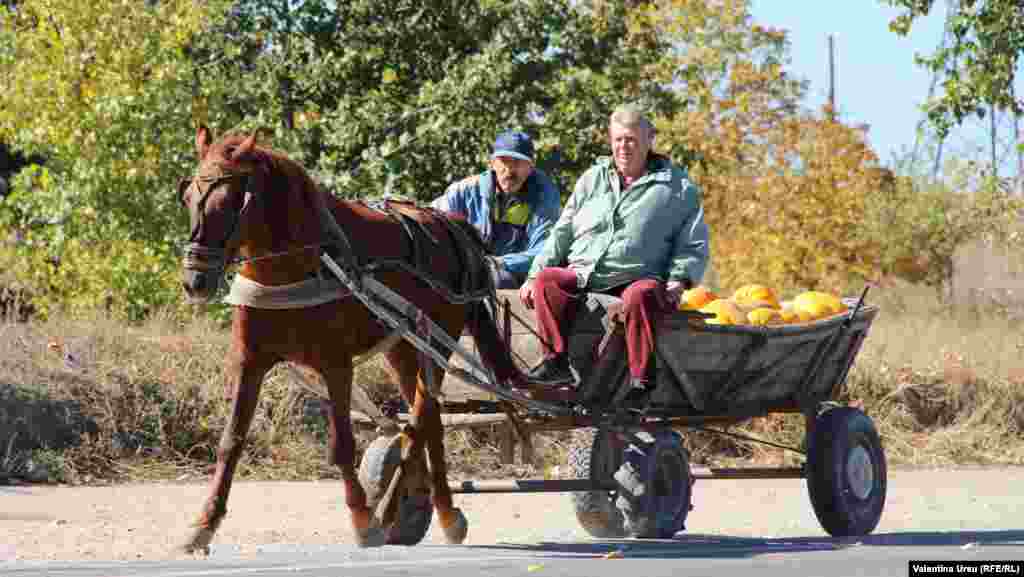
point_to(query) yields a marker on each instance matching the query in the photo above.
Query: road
(300, 529)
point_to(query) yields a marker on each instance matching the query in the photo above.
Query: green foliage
(980, 60)
(408, 96)
(110, 112)
(129, 279)
(919, 224)
(399, 97)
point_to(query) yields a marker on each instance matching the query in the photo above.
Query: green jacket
(610, 237)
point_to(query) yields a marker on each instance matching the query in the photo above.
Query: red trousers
(556, 297)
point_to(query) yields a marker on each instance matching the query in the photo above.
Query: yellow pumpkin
(791, 314)
(695, 298)
(756, 295)
(726, 312)
(819, 304)
(764, 316)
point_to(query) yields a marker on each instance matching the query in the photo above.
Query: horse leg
(427, 432)
(245, 376)
(427, 412)
(342, 445)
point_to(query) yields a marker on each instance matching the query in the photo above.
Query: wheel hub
(860, 472)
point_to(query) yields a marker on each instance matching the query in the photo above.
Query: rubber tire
(649, 515)
(415, 511)
(595, 510)
(840, 510)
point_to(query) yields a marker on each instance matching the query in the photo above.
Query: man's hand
(674, 291)
(526, 294)
(495, 265)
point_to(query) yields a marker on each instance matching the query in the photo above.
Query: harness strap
(428, 368)
(338, 241)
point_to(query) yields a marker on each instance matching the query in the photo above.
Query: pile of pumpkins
(759, 305)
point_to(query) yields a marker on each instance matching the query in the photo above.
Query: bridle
(204, 257)
(212, 259)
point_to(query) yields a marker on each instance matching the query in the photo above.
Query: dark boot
(552, 371)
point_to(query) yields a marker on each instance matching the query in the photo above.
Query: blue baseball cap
(514, 144)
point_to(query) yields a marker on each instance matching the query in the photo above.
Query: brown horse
(252, 205)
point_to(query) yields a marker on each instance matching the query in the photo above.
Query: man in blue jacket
(513, 205)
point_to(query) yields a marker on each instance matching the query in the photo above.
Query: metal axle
(581, 485)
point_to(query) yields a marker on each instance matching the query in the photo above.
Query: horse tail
(481, 322)
(495, 351)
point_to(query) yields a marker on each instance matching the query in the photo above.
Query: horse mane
(288, 177)
(276, 161)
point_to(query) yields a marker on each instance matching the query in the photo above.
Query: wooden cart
(632, 475)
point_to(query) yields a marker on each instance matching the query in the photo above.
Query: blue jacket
(523, 229)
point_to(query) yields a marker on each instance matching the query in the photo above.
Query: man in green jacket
(634, 228)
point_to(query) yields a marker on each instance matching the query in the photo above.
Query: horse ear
(202, 141)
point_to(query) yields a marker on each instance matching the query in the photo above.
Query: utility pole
(831, 78)
(1019, 143)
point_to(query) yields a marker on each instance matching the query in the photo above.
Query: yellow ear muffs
(517, 214)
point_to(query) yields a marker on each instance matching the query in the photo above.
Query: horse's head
(216, 198)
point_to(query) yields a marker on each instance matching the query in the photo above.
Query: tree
(108, 109)
(920, 223)
(103, 91)
(409, 95)
(775, 190)
(402, 96)
(981, 61)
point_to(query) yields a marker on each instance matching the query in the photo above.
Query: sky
(877, 81)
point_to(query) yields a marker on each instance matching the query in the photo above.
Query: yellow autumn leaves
(759, 305)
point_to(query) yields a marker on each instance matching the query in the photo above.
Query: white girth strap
(308, 293)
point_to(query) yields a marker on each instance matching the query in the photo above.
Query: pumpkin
(726, 313)
(764, 316)
(790, 314)
(819, 304)
(757, 296)
(695, 298)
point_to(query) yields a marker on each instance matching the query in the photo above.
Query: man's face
(629, 148)
(511, 172)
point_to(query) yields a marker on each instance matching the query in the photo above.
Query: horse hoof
(373, 536)
(199, 543)
(456, 529)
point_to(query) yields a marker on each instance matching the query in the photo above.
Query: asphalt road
(694, 555)
(761, 527)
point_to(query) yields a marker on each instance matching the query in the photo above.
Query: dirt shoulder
(148, 521)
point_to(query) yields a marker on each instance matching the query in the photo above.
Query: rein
(269, 255)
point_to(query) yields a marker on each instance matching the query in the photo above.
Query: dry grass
(945, 385)
(157, 399)
(943, 382)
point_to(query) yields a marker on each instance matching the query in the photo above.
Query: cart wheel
(846, 472)
(415, 510)
(594, 455)
(656, 486)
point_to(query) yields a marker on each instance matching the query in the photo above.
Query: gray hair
(632, 116)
